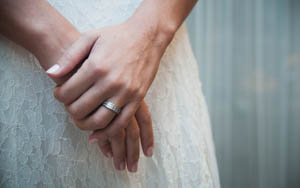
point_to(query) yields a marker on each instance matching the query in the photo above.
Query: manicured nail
(149, 151)
(93, 141)
(109, 154)
(134, 167)
(53, 69)
(122, 166)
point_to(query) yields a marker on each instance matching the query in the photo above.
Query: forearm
(163, 17)
(38, 27)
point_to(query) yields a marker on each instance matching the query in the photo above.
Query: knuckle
(115, 84)
(130, 89)
(95, 68)
(60, 95)
(74, 111)
(97, 122)
(81, 126)
(140, 93)
(135, 91)
(99, 71)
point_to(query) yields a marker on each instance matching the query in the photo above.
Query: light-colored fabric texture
(41, 147)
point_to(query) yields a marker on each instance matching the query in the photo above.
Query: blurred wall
(249, 61)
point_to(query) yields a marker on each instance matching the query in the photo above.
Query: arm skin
(31, 18)
(163, 17)
(39, 28)
(42, 30)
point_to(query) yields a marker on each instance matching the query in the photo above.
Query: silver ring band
(111, 106)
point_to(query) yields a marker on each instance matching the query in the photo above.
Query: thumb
(78, 52)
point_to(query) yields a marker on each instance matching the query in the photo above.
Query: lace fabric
(41, 147)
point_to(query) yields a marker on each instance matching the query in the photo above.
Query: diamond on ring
(111, 106)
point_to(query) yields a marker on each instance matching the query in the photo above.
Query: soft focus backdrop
(249, 62)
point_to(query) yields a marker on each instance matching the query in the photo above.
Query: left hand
(121, 63)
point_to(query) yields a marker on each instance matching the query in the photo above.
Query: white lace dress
(41, 147)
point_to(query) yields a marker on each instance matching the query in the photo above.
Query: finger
(144, 122)
(103, 143)
(73, 88)
(117, 144)
(73, 56)
(105, 147)
(88, 102)
(122, 120)
(132, 145)
(118, 149)
(100, 119)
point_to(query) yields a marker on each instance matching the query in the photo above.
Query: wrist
(148, 20)
(52, 43)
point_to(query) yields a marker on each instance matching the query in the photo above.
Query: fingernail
(149, 151)
(93, 141)
(53, 69)
(122, 166)
(134, 167)
(109, 154)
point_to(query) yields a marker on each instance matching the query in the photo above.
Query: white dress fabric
(41, 147)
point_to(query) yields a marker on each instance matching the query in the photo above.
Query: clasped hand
(117, 64)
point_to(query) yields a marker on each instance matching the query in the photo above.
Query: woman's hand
(123, 147)
(120, 64)
(42, 30)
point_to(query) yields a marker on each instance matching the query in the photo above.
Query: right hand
(123, 147)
